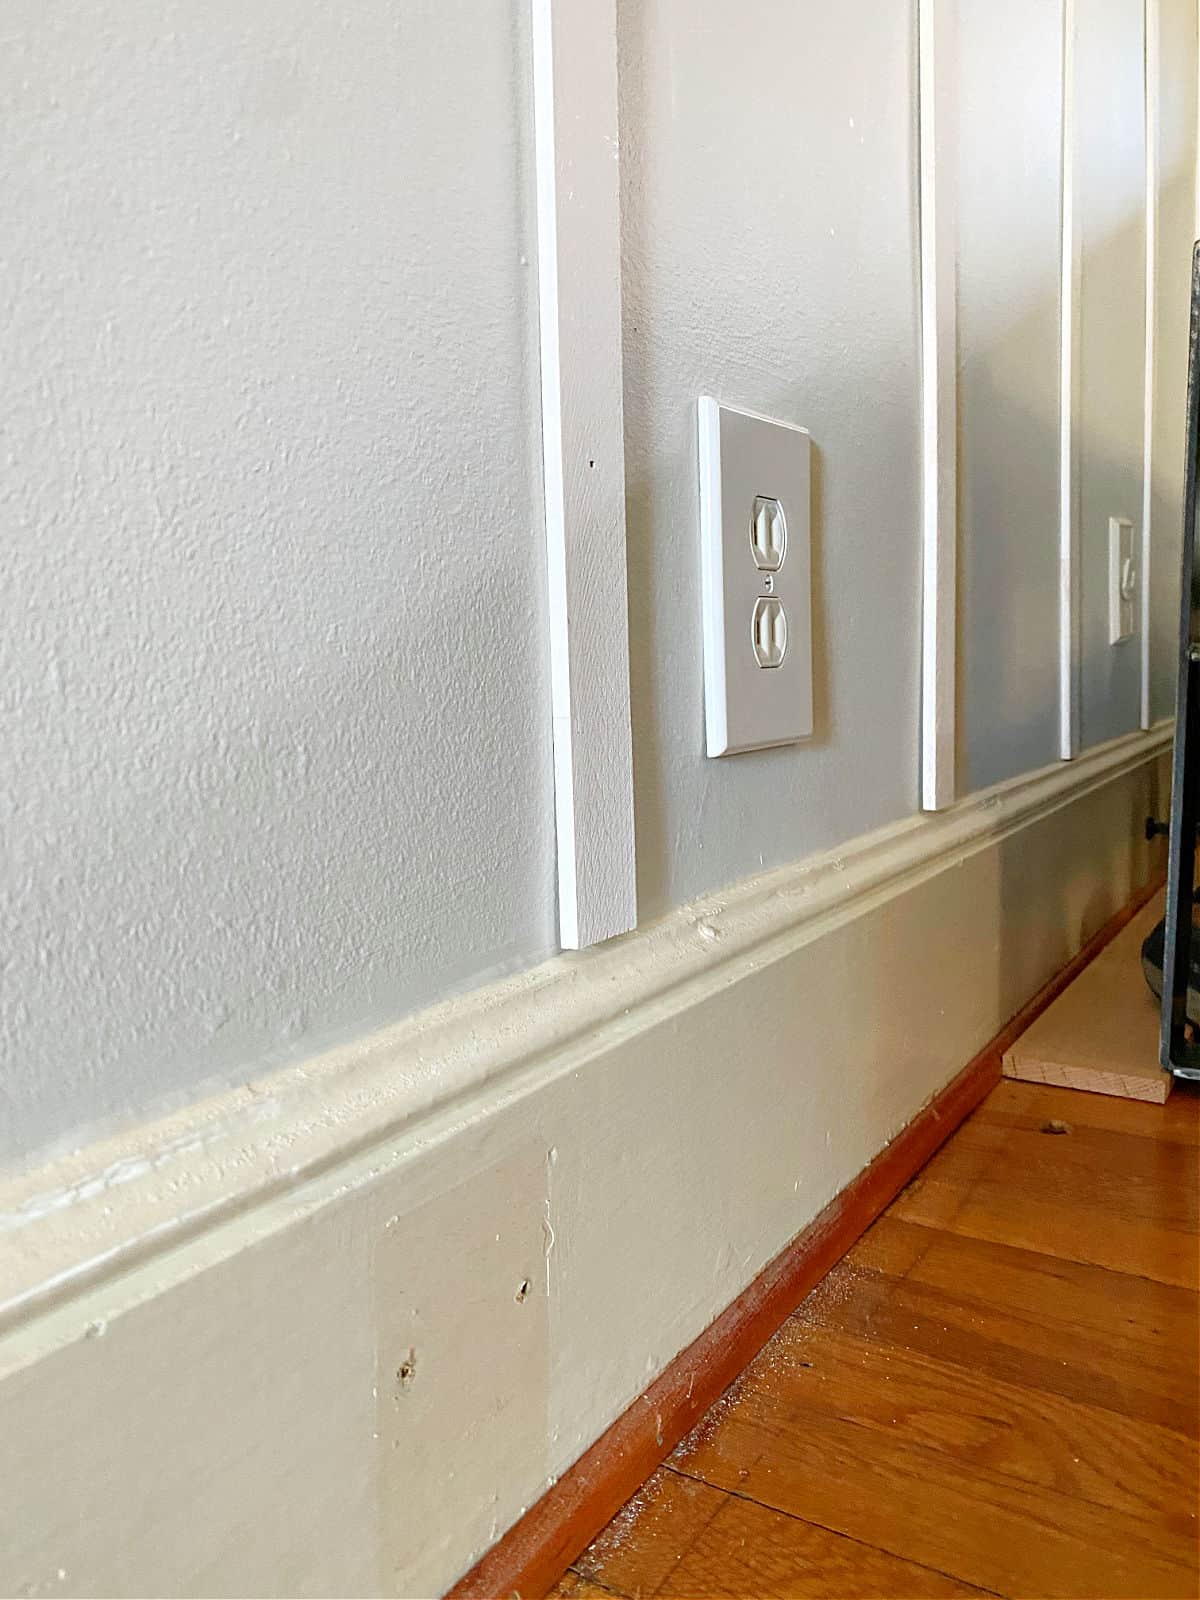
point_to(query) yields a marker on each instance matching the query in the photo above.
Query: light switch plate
(756, 566)
(1122, 579)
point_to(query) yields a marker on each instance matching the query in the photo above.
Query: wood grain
(1026, 1106)
(1097, 1169)
(893, 1379)
(983, 1526)
(1010, 1419)
(1101, 1034)
(1090, 1196)
(708, 1542)
(748, 1550)
(668, 1513)
(1122, 1343)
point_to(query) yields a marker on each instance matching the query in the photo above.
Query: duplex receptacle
(755, 568)
(1122, 580)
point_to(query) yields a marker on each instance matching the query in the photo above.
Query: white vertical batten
(1152, 165)
(939, 428)
(579, 295)
(1071, 272)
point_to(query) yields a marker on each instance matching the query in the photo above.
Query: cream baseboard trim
(90, 1211)
(332, 1333)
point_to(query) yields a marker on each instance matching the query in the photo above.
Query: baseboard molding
(372, 1307)
(534, 1554)
(94, 1210)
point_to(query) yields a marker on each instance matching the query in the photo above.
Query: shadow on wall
(1031, 857)
(1177, 226)
(1008, 466)
(1008, 684)
(1008, 611)
(1007, 513)
(823, 341)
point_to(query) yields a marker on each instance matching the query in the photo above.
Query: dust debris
(617, 1534)
(712, 1418)
(1055, 1126)
(833, 1291)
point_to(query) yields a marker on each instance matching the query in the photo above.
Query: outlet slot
(768, 631)
(768, 533)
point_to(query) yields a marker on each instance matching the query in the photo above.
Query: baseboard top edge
(94, 1211)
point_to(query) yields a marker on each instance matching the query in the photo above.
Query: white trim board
(1069, 406)
(579, 294)
(372, 1307)
(937, 69)
(1153, 34)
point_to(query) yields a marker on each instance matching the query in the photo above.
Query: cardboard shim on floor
(1101, 1034)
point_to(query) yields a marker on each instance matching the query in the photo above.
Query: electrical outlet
(1122, 579)
(755, 567)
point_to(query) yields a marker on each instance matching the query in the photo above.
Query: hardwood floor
(996, 1392)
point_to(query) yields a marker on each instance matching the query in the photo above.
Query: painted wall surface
(275, 753)
(770, 260)
(276, 764)
(1177, 229)
(276, 760)
(1110, 202)
(1009, 195)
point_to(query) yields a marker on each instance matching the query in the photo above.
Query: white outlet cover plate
(1122, 580)
(746, 458)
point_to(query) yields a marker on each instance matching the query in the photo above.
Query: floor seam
(1023, 1250)
(1014, 1126)
(866, 1544)
(880, 1342)
(644, 1594)
(996, 1473)
(597, 1583)
(925, 1249)
(1094, 1266)
(1041, 1506)
(708, 1521)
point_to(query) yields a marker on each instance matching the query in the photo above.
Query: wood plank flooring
(997, 1391)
